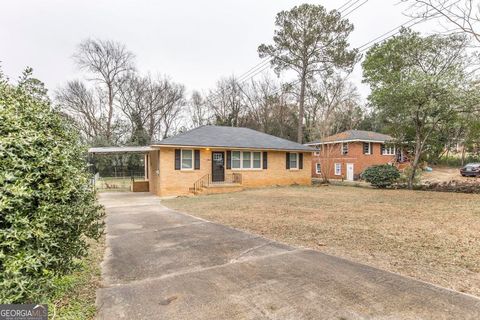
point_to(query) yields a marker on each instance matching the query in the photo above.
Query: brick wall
(177, 182)
(331, 154)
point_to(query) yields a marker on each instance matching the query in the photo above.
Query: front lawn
(430, 236)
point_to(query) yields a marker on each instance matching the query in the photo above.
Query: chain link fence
(121, 181)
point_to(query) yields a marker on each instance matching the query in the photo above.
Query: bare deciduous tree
(107, 62)
(82, 105)
(198, 110)
(331, 101)
(462, 15)
(152, 106)
(226, 103)
(328, 100)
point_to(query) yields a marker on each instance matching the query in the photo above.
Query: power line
(355, 9)
(345, 4)
(253, 68)
(264, 65)
(386, 33)
(372, 42)
(349, 6)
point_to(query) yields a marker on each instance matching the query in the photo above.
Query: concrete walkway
(161, 264)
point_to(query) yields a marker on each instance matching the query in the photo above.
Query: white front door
(350, 171)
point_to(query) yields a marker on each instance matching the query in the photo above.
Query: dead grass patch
(430, 236)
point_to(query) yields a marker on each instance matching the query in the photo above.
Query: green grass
(74, 297)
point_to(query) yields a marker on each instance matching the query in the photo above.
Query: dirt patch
(430, 236)
(446, 174)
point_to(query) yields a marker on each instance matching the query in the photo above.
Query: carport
(135, 186)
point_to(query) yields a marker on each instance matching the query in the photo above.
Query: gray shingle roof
(231, 137)
(355, 135)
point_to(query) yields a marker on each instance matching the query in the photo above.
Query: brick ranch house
(347, 154)
(214, 159)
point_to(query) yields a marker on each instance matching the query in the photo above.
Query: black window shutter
(382, 147)
(300, 160)
(288, 160)
(265, 160)
(197, 159)
(364, 146)
(177, 159)
(229, 159)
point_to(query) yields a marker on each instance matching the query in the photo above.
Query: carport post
(145, 165)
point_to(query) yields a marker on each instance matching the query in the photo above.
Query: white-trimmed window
(187, 159)
(388, 150)
(246, 160)
(293, 160)
(236, 160)
(316, 153)
(257, 160)
(338, 169)
(367, 148)
(318, 168)
(344, 148)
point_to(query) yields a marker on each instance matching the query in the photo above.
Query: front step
(219, 188)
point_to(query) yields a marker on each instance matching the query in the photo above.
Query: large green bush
(47, 206)
(381, 176)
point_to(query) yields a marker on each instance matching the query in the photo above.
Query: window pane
(293, 160)
(338, 169)
(236, 159)
(319, 168)
(187, 164)
(187, 159)
(257, 160)
(388, 150)
(366, 148)
(187, 154)
(247, 160)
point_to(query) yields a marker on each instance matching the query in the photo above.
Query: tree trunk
(416, 160)
(463, 155)
(325, 165)
(110, 112)
(301, 109)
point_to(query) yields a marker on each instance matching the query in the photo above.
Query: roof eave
(346, 140)
(231, 147)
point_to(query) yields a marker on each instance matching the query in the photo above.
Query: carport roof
(119, 150)
(231, 137)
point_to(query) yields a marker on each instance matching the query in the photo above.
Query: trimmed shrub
(47, 206)
(381, 176)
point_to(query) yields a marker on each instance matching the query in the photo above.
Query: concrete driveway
(162, 264)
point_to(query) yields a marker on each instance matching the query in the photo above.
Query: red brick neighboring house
(347, 154)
